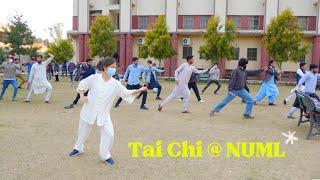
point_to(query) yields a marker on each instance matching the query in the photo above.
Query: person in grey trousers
(214, 77)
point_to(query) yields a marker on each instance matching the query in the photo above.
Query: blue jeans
(231, 95)
(6, 83)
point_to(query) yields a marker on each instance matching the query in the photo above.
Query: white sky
(40, 14)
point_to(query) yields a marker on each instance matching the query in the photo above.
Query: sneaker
(216, 92)
(180, 99)
(211, 114)
(186, 112)
(248, 116)
(74, 153)
(271, 104)
(143, 107)
(70, 106)
(109, 162)
(26, 101)
(158, 98)
(290, 117)
(284, 102)
(201, 92)
(201, 101)
(116, 105)
(159, 108)
(14, 99)
(47, 102)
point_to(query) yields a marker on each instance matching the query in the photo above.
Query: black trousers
(158, 86)
(78, 97)
(210, 82)
(195, 89)
(132, 87)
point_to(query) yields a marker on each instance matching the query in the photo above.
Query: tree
(2, 55)
(19, 35)
(157, 42)
(218, 44)
(283, 37)
(56, 31)
(62, 50)
(102, 42)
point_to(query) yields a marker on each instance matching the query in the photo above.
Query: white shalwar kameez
(183, 75)
(101, 97)
(38, 78)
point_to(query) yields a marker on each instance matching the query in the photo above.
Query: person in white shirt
(103, 91)
(299, 74)
(181, 89)
(38, 79)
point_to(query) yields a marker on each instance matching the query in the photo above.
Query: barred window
(235, 53)
(236, 21)
(187, 51)
(188, 22)
(254, 22)
(142, 22)
(252, 54)
(303, 22)
(204, 22)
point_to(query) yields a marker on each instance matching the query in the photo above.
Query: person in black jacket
(236, 87)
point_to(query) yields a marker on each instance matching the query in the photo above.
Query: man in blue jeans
(9, 71)
(236, 87)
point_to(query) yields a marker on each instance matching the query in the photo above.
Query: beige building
(187, 21)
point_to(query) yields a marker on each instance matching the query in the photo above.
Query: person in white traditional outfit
(38, 79)
(181, 89)
(103, 91)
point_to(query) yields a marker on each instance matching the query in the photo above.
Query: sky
(40, 14)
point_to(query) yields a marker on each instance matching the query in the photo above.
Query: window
(235, 53)
(302, 59)
(95, 12)
(187, 51)
(188, 22)
(303, 22)
(252, 54)
(236, 21)
(254, 22)
(142, 22)
(204, 22)
(202, 56)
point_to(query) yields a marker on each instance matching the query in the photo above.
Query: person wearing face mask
(132, 75)
(214, 77)
(103, 91)
(236, 87)
(269, 88)
(181, 89)
(9, 71)
(38, 79)
(86, 70)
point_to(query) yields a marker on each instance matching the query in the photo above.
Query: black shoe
(284, 102)
(116, 106)
(271, 104)
(70, 106)
(74, 153)
(109, 162)
(143, 107)
(246, 116)
(158, 98)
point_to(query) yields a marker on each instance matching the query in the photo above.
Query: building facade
(187, 21)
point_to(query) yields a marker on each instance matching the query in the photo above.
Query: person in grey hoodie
(214, 77)
(9, 71)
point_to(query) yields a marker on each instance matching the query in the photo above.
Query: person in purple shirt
(86, 71)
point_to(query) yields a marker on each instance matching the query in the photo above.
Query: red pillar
(222, 66)
(122, 53)
(129, 48)
(174, 59)
(316, 50)
(86, 46)
(80, 47)
(264, 60)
